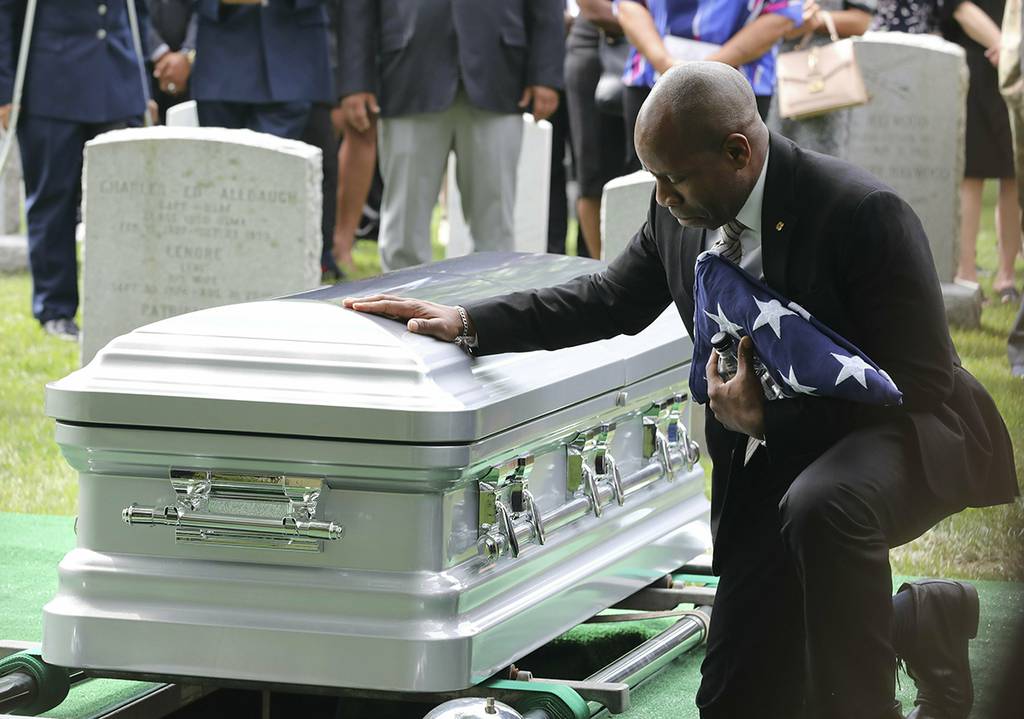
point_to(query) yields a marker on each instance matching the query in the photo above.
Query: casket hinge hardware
(505, 505)
(242, 510)
(604, 463)
(665, 432)
(589, 464)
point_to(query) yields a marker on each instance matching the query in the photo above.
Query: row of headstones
(910, 135)
(181, 218)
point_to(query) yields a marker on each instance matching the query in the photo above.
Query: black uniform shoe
(935, 652)
(63, 328)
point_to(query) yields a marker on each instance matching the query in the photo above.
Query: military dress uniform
(82, 78)
(261, 66)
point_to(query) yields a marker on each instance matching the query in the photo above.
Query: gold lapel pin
(779, 226)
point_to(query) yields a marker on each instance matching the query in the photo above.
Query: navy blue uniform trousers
(51, 156)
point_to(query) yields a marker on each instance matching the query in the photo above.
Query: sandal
(1009, 295)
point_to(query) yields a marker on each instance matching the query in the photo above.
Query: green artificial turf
(34, 544)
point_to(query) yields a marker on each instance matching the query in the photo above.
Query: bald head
(700, 135)
(705, 101)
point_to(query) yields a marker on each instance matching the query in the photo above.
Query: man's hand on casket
(739, 403)
(420, 316)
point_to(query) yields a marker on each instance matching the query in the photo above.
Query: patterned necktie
(728, 244)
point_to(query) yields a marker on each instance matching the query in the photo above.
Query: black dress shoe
(62, 328)
(946, 618)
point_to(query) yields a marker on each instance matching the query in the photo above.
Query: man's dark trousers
(51, 152)
(282, 119)
(823, 538)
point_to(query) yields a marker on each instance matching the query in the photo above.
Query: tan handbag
(819, 79)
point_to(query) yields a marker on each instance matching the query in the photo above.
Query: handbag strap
(826, 16)
(831, 25)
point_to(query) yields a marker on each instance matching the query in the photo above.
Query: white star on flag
(771, 314)
(796, 386)
(724, 323)
(852, 367)
(799, 310)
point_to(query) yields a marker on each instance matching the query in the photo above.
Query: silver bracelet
(465, 320)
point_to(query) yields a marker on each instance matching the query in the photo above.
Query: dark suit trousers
(51, 155)
(802, 623)
(320, 133)
(283, 119)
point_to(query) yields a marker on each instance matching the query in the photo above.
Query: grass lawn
(980, 544)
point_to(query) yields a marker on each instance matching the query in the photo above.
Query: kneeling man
(804, 621)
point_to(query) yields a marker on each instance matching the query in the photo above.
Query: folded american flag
(803, 356)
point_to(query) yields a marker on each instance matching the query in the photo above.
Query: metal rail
(636, 666)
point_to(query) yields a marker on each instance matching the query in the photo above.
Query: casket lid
(304, 366)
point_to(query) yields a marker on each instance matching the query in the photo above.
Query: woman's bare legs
(970, 221)
(1007, 232)
(357, 162)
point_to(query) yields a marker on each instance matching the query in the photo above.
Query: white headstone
(11, 193)
(911, 132)
(180, 219)
(184, 114)
(533, 183)
(624, 205)
(13, 253)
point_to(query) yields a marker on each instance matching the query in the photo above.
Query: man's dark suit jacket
(262, 54)
(171, 23)
(413, 54)
(849, 250)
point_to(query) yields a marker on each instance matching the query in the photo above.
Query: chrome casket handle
(242, 510)
(283, 527)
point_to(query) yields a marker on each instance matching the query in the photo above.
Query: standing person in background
(83, 78)
(261, 64)
(171, 38)
(989, 150)
(597, 137)
(823, 133)
(558, 198)
(1011, 85)
(320, 132)
(746, 32)
(450, 74)
(357, 165)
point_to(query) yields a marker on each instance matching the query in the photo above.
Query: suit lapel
(778, 214)
(692, 242)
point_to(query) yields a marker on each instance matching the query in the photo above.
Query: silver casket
(288, 491)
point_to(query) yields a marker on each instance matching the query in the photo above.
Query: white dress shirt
(750, 241)
(750, 238)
